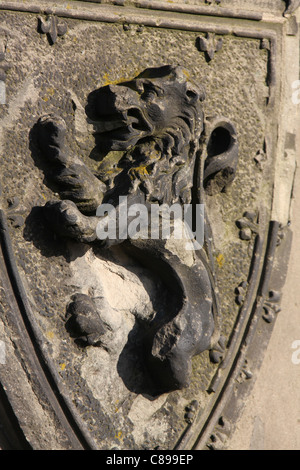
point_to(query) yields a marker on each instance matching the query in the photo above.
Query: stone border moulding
(210, 428)
(206, 10)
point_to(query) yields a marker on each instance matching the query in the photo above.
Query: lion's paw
(67, 221)
(83, 320)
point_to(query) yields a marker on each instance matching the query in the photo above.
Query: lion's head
(155, 101)
(158, 120)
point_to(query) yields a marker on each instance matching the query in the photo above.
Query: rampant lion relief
(172, 154)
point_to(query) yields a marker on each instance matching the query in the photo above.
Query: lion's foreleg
(72, 178)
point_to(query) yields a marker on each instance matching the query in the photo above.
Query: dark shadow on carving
(11, 435)
(222, 155)
(36, 230)
(219, 142)
(39, 158)
(132, 364)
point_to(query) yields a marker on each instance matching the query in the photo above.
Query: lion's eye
(192, 96)
(150, 93)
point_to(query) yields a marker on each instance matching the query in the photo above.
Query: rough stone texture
(270, 420)
(257, 5)
(264, 6)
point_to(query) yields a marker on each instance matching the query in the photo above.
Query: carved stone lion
(171, 155)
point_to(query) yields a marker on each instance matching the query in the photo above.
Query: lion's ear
(220, 154)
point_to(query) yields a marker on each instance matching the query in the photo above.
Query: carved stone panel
(140, 339)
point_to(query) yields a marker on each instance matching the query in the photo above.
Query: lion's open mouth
(123, 127)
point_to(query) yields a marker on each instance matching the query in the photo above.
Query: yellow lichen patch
(50, 334)
(155, 155)
(111, 171)
(220, 260)
(49, 92)
(62, 366)
(110, 81)
(119, 436)
(141, 171)
(186, 73)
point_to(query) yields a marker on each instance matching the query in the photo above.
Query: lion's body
(157, 120)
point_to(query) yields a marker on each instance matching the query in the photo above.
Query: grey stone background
(271, 417)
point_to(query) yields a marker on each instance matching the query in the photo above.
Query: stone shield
(136, 342)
